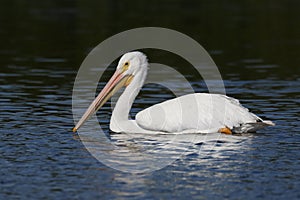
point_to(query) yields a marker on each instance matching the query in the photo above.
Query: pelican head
(131, 63)
(129, 66)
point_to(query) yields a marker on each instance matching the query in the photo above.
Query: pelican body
(192, 113)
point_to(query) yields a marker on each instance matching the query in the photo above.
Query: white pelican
(204, 113)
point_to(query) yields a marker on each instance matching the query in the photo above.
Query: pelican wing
(197, 112)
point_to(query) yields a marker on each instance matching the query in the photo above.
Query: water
(255, 45)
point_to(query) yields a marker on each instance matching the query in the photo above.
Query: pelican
(192, 113)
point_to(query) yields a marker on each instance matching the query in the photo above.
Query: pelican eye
(125, 66)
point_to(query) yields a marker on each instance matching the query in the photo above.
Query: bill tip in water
(74, 130)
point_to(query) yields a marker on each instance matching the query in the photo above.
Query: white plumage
(205, 113)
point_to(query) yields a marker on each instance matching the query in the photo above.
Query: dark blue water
(256, 47)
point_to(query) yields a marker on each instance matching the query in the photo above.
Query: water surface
(255, 45)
